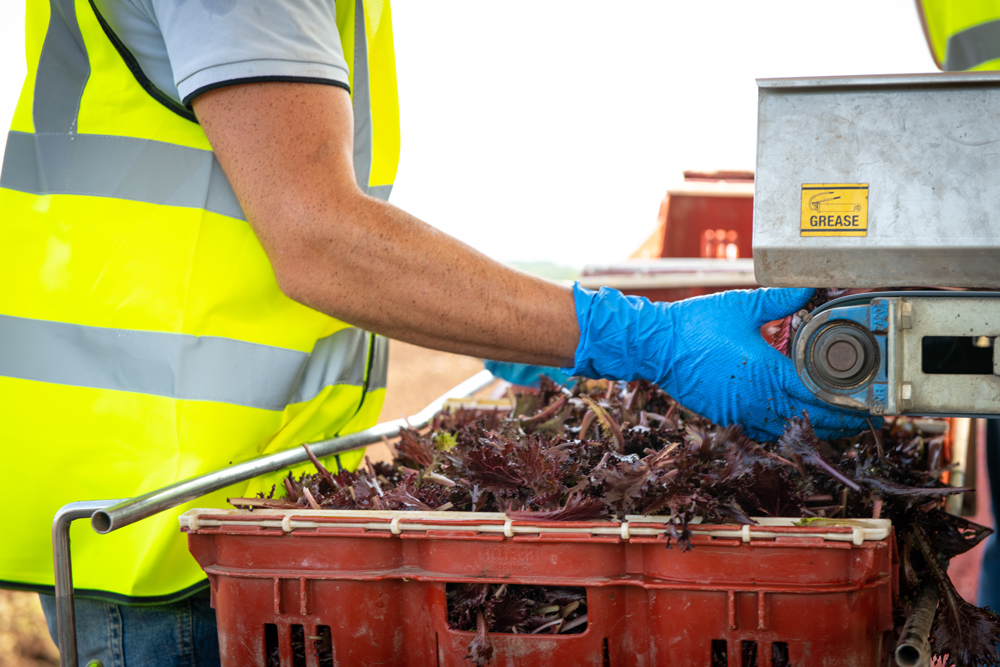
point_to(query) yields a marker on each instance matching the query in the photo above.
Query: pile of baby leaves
(603, 450)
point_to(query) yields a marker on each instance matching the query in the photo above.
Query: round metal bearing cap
(844, 355)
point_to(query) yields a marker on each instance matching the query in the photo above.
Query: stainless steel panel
(928, 146)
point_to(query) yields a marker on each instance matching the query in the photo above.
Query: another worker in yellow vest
(966, 36)
(962, 36)
(194, 246)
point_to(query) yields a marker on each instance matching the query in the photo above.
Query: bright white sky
(549, 130)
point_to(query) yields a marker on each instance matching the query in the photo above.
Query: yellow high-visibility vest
(143, 338)
(962, 34)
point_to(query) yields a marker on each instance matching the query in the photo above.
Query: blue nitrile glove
(524, 374)
(706, 352)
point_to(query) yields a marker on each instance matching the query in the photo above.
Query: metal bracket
(900, 326)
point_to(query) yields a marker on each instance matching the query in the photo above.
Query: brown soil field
(24, 639)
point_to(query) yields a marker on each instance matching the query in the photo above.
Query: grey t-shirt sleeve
(211, 43)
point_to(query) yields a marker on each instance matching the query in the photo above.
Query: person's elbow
(312, 249)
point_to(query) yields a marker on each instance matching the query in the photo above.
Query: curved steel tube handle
(65, 611)
(109, 515)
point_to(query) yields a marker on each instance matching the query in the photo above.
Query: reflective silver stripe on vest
(380, 191)
(361, 99)
(101, 165)
(380, 364)
(362, 104)
(181, 366)
(973, 46)
(63, 70)
(337, 359)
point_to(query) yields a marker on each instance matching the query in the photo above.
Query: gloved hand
(708, 354)
(524, 374)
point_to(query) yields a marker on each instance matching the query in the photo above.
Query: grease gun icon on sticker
(831, 202)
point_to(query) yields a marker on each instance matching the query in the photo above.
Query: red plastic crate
(374, 582)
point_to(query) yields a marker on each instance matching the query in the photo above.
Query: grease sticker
(834, 209)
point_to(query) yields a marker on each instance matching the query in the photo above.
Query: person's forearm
(382, 269)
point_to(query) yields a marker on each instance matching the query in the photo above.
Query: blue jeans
(181, 634)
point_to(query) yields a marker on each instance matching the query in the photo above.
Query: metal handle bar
(65, 611)
(109, 515)
(135, 509)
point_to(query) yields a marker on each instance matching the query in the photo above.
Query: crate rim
(400, 522)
